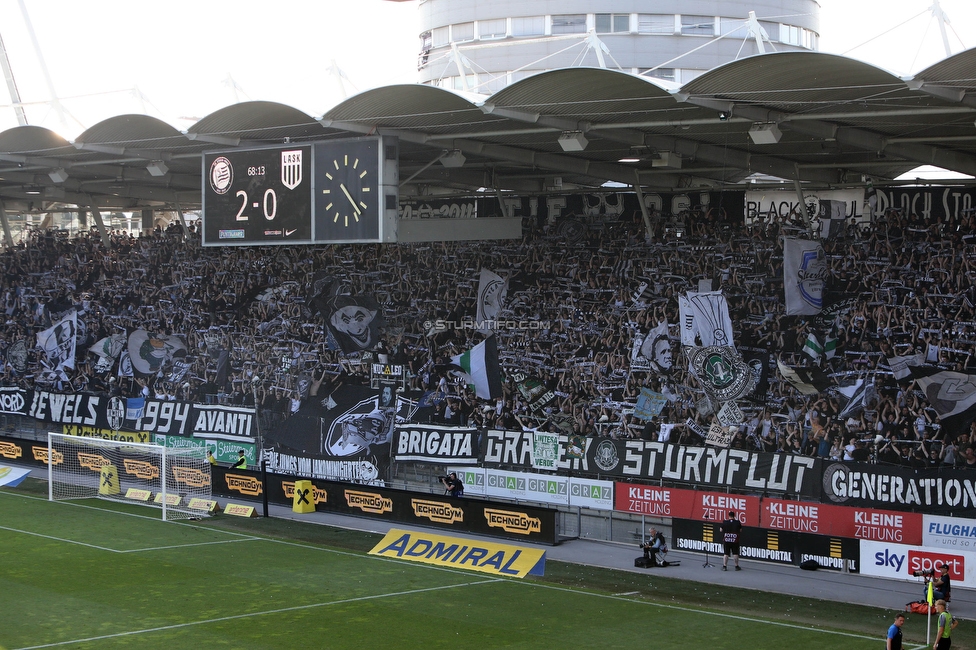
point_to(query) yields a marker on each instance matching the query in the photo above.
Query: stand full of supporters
(252, 339)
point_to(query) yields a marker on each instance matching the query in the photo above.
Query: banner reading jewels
(900, 488)
(132, 414)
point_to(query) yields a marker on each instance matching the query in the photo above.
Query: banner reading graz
(433, 443)
(703, 466)
(149, 416)
(946, 491)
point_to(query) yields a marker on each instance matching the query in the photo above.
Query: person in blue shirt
(894, 633)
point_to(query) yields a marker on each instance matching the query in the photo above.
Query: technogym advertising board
(511, 521)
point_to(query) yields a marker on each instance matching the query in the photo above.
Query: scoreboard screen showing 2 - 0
(258, 196)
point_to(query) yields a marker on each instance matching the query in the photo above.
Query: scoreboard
(320, 192)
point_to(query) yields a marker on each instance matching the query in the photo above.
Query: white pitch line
(282, 610)
(748, 619)
(59, 539)
(509, 580)
(164, 548)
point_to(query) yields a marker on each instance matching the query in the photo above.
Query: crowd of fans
(908, 283)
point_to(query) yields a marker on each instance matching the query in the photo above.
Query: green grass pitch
(99, 575)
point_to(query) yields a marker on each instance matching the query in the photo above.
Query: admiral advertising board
(901, 561)
(512, 521)
(456, 553)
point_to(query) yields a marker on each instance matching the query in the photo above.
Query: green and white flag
(813, 347)
(480, 364)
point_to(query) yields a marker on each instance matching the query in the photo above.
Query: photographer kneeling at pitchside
(452, 485)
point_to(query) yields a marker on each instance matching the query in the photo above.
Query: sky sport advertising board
(901, 561)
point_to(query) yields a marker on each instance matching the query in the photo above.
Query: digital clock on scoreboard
(258, 196)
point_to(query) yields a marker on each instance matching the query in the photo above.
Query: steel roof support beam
(555, 162)
(856, 137)
(687, 148)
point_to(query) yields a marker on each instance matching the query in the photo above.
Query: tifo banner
(431, 443)
(705, 467)
(545, 450)
(440, 550)
(900, 561)
(949, 533)
(336, 469)
(149, 416)
(510, 448)
(900, 488)
(14, 400)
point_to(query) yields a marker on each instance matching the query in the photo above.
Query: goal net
(130, 472)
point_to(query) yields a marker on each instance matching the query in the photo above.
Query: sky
(180, 60)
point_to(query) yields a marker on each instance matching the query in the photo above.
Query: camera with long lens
(927, 573)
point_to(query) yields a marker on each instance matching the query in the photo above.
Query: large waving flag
(804, 275)
(492, 289)
(58, 342)
(480, 364)
(951, 394)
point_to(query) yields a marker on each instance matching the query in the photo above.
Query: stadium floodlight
(453, 158)
(765, 133)
(157, 168)
(130, 472)
(58, 175)
(573, 141)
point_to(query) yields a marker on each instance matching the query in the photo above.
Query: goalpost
(130, 472)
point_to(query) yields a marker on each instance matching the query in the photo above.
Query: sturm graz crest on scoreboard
(221, 175)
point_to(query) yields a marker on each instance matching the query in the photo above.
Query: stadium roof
(823, 119)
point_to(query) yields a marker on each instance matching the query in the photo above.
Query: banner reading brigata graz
(132, 414)
(947, 491)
